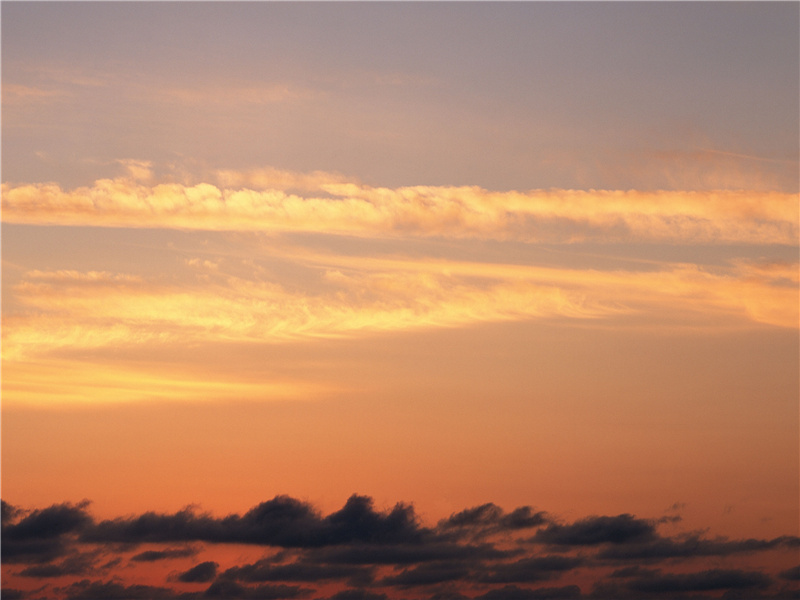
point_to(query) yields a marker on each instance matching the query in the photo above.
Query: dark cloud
(690, 546)
(512, 592)
(231, 590)
(622, 529)
(358, 594)
(39, 536)
(407, 554)
(111, 590)
(78, 564)
(429, 573)
(154, 555)
(490, 518)
(792, 574)
(366, 551)
(282, 521)
(715, 579)
(448, 595)
(8, 512)
(267, 570)
(531, 569)
(634, 571)
(202, 573)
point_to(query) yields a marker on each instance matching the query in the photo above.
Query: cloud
(357, 595)
(528, 570)
(266, 570)
(111, 590)
(715, 579)
(512, 592)
(406, 554)
(693, 545)
(592, 531)
(79, 310)
(77, 564)
(490, 518)
(204, 572)
(15, 94)
(428, 574)
(282, 522)
(168, 553)
(230, 589)
(360, 553)
(792, 574)
(40, 535)
(348, 208)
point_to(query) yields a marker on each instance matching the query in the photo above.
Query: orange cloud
(69, 310)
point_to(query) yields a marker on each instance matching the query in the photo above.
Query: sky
(388, 301)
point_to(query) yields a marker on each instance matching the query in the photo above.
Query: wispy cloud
(19, 94)
(70, 310)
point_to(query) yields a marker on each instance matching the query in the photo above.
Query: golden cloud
(70, 310)
(349, 208)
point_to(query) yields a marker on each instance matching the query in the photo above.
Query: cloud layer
(362, 553)
(321, 203)
(305, 287)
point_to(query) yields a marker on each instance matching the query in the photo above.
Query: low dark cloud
(40, 535)
(407, 554)
(715, 579)
(429, 573)
(360, 553)
(512, 592)
(792, 574)
(166, 554)
(77, 564)
(490, 518)
(111, 590)
(267, 570)
(8, 512)
(358, 594)
(282, 522)
(592, 531)
(634, 571)
(532, 569)
(227, 589)
(692, 546)
(202, 573)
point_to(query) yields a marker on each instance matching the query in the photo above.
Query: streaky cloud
(347, 208)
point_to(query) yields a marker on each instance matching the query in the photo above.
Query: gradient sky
(370, 301)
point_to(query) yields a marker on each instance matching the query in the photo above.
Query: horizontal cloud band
(329, 205)
(484, 551)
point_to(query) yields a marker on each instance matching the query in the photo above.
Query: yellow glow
(55, 382)
(73, 310)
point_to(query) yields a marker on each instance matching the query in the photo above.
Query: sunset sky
(386, 301)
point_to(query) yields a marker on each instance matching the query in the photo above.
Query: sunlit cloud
(348, 208)
(69, 310)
